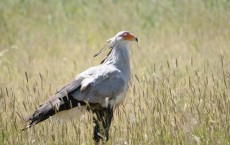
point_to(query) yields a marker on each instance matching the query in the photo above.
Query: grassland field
(180, 87)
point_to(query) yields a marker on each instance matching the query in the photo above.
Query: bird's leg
(108, 120)
(102, 123)
(96, 130)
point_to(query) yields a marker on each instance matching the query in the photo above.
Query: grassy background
(179, 93)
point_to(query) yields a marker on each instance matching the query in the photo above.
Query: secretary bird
(98, 88)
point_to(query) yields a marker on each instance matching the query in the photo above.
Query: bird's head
(122, 37)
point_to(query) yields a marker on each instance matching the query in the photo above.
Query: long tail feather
(48, 109)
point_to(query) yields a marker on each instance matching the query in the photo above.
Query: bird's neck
(119, 57)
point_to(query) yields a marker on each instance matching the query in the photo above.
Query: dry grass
(179, 93)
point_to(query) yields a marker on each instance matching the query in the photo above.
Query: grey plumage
(98, 88)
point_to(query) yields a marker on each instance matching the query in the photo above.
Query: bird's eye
(125, 34)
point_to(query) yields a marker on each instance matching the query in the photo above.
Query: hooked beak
(135, 39)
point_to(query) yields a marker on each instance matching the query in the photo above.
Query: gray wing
(92, 85)
(103, 82)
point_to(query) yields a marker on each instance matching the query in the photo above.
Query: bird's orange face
(128, 36)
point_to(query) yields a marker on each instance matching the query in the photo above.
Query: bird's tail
(53, 106)
(41, 114)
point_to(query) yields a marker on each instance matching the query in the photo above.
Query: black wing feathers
(50, 108)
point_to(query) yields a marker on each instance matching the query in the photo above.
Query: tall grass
(179, 92)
